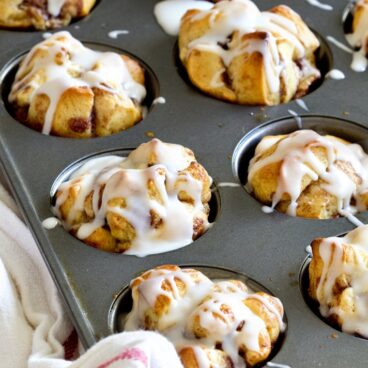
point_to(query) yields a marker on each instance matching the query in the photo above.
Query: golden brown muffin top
(338, 277)
(159, 189)
(222, 29)
(191, 310)
(61, 62)
(296, 160)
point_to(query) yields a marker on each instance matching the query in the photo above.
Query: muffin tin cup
(268, 248)
(123, 302)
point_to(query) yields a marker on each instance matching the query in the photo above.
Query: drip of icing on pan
(116, 33)
(301, 103)
(297, 118)
(320, 5)
(335, 74)
(169, 13)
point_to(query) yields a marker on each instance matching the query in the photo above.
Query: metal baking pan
(268, 248)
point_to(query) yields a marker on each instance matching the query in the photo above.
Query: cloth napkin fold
(33, 324)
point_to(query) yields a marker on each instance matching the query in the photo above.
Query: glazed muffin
(308, 175)
(162, 296)
(42, 14)
(237, 53)
(358, 35)
(153, 201)
(337, 280)
(212, 324)
(66, 89)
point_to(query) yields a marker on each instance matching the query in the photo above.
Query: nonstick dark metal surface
(268, 248)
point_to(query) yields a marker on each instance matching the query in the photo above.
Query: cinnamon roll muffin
(308, 175)
(358, 35)
(153, 201)
(42, 14)
(337, 280)
(66, 89)
(237, 53)
(212, 324)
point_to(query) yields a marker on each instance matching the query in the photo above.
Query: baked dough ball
(232, 315)
(236, 53)
(66, 89)
(153, 201)
(219, 324)
(42, 14)
(308, 175)
(338, 280)
(162, 296)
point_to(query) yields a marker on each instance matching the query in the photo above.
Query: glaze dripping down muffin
(42, 14)
(338, 280)
(237, 53)
(66, 89)
(212, 324)
(308, 175)
(153, 201)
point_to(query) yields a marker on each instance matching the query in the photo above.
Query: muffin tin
(269, 248)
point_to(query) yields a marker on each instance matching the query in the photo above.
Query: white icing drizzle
(267, 209)
(354, 315)
(297, 118)
(169, 13)
(159, 100)
(335, 74)
(298, 160)
(308, 250)
(244, 17)
(128, 179)
(65, 63)
(54, 6)
(230, 185)
(50, 223)
(116, 33)
(217, 81)
(353, 219)
(203, 302)
(339, 44)
(46, 35)
(320, 5)
(359, 38)
(302, 104)
(277, 365)
(201, 357)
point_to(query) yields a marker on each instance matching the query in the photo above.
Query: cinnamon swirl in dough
(338, 276)
(153, 201)
(308, 175)
(66, 89)
(212, 324)
(42, 14)
(237, 53)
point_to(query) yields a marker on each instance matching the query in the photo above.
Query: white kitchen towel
(33, 325)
